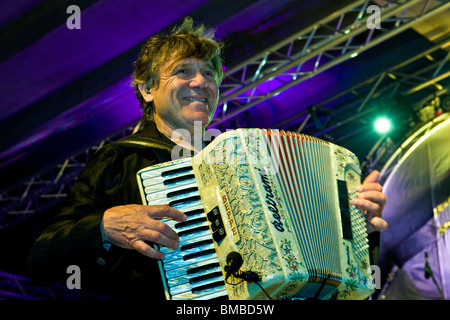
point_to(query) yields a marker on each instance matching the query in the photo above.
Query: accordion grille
(301, 177)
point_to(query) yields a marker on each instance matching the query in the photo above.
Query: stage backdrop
(415, 250)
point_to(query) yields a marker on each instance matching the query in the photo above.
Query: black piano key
(205, 277)
(175, 180)
(184, 201)
(208, 286)
(203, 268)
(177, 193)
(172, 172)
(193, 212)
(198, 254)
(195, 244)
(191, 231)
(188, 223)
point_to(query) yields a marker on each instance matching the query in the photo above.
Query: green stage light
(383, 125)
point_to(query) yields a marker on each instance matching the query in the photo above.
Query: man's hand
(371, 199)
(130, 226)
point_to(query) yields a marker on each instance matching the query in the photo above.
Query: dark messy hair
(185, 41)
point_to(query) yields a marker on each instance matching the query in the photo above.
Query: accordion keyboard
(192, 271)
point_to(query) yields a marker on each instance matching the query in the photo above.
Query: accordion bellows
(281, 200)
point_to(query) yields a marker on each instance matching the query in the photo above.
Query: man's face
(187, 91)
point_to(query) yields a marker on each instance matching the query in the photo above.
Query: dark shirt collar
(150, 130)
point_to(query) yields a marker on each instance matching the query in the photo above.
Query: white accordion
(282, 201)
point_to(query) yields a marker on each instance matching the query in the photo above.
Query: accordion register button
(219, 235)
(217, 227)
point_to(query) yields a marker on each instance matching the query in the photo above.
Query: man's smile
(196, 99)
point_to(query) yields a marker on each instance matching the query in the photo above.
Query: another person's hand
(135, 226)
(371, 199)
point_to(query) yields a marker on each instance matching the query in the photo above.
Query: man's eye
(181, 71)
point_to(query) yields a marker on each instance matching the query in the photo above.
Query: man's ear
(146, 93)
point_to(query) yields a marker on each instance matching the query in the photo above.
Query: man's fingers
(373, 177)
(376, 223)
(160, 227)
(164, 211)
(136, 226)
(164, 236)
(147, 250)
(368, 206)
(371, 201)
(369, 187)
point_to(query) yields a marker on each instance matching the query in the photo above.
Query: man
(103, 228)
(184, 89)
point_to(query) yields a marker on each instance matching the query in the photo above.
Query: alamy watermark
(253, 147)
(74, 20)
(74, 280)
(374, 20)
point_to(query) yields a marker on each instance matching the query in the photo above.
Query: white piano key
(187, 225)
(183, 271)
(202, 237)
(156, 181)
(184, 279)
(207, 294)
(188, 287)
(161, 171)
(166, 193)
(180, 263)
(180, 254)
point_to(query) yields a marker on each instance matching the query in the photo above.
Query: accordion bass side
(281, 200)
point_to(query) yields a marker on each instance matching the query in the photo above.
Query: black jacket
(74, 238)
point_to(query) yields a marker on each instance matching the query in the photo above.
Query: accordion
(281, 201)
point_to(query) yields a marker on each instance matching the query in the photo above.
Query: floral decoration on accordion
(235, 180)
(341, 157)
(356, 278)
(291, 261)
(205, 173)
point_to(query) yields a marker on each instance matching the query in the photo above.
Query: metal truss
(337, 38)
(397, 81)
(47, 188)
(400, 79)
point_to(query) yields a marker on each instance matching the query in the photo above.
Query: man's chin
(202, 118)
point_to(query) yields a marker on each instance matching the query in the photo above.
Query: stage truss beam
(336, 38)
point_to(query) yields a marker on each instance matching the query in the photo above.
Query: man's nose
(198, 81)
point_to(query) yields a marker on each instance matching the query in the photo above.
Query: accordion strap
(143, 143)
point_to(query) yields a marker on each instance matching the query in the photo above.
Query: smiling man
(187, 92)
(103, 227)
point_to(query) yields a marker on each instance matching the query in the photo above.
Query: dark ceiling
(64, 90)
